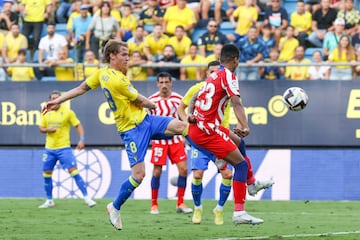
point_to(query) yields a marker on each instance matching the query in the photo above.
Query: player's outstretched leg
(113, 208)
(48, 186)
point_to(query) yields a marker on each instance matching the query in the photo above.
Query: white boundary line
(291, 236)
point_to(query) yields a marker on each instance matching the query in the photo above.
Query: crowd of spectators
(162, 32)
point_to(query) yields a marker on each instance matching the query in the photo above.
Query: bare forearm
(77, 91)
(144, 102)
(181, 111)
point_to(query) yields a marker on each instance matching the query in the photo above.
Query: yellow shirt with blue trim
(195, 89)
(62, 119)
(175, 17)
(120, 95)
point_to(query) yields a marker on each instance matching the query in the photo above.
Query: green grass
(72, 219)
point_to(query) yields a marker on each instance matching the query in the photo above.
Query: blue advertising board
(310, 174)
(331, 118)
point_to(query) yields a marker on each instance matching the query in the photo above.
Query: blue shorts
(64, 155)
(137, 140)
(200, 160)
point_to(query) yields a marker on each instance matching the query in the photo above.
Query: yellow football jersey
(62, 119)
(120, 95)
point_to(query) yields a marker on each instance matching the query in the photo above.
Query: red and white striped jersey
(166, 107)
(213, 98)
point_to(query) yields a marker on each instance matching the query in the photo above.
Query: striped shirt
(167, 107)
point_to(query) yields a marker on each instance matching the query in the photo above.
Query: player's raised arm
(72, 93)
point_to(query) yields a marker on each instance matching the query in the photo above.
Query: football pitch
(72, 219)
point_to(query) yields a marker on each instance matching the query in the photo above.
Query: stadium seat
(309, 52)
(151, 78)
(48, 79)
(290, 7)
(197, 33)
(226, 26)
(149, 28)
(61, 29)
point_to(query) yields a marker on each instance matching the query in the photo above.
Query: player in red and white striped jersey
(167, 102)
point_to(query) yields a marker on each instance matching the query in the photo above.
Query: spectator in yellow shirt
(137, 42)
(21, 73)
(35, 13)
(62, 73)
(302, 22)
(246, 16)
(287, 45)
(135, 71)
(179, 15)
(216, 54)
(155, 43)
(90, 58)
(128, 23)
(345, 53)
(298, 72)
(13, 42)
(180, 42)
(192, 73)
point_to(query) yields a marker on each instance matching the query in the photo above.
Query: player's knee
(226, 174)
(197, 174)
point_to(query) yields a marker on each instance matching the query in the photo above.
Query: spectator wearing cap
(351, 17)
(76, 7)
(13, 42)
(78, 32)
(35, 13)
(7, 16)
(322, 22)
(332, 38)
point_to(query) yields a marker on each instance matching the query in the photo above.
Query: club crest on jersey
(131, 89)
(104, 78)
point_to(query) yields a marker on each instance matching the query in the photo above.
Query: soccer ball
(174, 180)
(295, 98)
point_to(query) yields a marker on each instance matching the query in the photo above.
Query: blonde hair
(112, 46)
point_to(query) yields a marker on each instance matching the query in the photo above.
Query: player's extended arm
(242, 128)
(142, 101)
(81, 132)
(72, 93)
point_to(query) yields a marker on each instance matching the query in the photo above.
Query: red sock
(181, 193)
(250, 179)
(239, 195)
(154, 197)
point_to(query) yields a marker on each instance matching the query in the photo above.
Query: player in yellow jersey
(56, 125)
(134, 125)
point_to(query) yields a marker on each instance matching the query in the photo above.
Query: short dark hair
(22, 51)
(228, 53)
(54, 92)
(163, 75)
(213, 63)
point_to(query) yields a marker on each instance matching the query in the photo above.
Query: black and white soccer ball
(295, 98)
